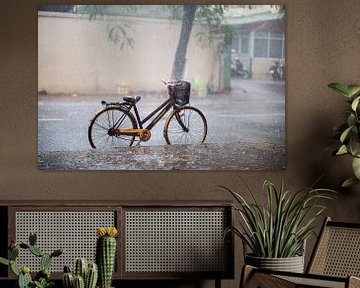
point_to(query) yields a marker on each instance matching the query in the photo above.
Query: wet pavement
(253, 111)
(246, 131)
(212, 156)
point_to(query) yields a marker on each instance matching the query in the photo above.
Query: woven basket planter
(291, 264)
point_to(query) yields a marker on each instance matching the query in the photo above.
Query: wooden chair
(335, 262)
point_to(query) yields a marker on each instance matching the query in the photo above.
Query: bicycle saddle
(132, 99)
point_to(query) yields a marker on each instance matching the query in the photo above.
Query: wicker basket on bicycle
(182, 93)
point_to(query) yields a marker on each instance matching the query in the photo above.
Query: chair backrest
(337, 251)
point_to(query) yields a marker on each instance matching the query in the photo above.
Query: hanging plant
(348, 133)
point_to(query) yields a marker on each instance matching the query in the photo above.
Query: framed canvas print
(161, 87)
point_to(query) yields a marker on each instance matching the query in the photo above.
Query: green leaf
(353, 89)
(345, 134)
(340, 88)
(349, 182)
(356, 167)
(355, 103)
(351, 120)
(354, 146)
(342, 150)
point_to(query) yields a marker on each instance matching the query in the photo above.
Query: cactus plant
(79, 282)
(91, 275)
(32, 238)
(14, 268)
(36, 251)
(84, 274)
(45, 261)
(68, 280)
(43, 274)
(4, 261)
(24, 277)
(81, 265)
(42, 278)
(105, 254)
(13, 253)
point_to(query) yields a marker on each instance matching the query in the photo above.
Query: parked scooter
(278, 71)
(238, 69)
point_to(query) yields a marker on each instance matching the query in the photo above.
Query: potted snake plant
(274, 235)
(348, 133)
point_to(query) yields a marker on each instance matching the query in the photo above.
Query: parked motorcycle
(278, 71)
(238, 69)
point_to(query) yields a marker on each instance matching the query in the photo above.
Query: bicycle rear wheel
(185, 125)
(102, 126)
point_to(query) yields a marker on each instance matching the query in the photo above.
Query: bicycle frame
(160, 111)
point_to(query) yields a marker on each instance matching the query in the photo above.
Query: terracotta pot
(291, 264)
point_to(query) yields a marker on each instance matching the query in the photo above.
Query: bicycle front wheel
(101, 132)
(185, 125)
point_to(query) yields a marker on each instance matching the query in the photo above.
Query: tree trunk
(180, 55)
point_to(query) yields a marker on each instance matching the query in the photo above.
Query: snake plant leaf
(356, 167)
(355, 103)
(342, 150)
(341, 89)
(351, 181)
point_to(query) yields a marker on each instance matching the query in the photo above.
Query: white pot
(291, 264)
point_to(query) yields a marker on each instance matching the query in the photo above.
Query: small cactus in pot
(106, 254)
(85, 275)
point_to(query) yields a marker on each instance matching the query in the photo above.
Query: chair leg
(246, 273)
(250, 278)
(217, 283)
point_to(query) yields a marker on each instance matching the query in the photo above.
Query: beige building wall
(260, 68)
(75, 55)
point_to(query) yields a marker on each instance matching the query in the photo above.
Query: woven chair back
(337, 252)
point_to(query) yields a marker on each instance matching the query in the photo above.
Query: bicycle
(115, 125)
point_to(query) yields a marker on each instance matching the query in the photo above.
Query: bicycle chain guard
(144, 134)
